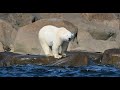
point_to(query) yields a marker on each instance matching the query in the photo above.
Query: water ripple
(52, 71)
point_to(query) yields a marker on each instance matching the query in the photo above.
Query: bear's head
(66, 35)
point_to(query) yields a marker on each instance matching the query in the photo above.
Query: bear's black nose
(69, 39)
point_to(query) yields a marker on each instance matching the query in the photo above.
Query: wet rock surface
(111, 57)
(74, 58)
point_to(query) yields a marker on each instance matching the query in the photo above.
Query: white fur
(56, 38)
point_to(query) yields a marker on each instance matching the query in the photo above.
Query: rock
(117, 39)
(18, 19)
(74, 58)
(27, 38)
(112, 23)
(97, 31)
(4, 16)
(101, 26)
(7, 35)
(1, 47)
(107, 19)
(98, 16)
(48, 15)
(111, 57)
(97, 45)
(87, 43)
(69, 17)
(82, 37)
(102, 33)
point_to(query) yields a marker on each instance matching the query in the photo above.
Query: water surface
(30, 70)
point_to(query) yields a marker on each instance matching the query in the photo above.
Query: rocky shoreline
(74, 59)
(97, 39)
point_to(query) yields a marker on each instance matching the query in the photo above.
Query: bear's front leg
(55, 51)
(64, 48)
(61, 52)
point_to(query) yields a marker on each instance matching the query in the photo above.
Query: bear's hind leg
(45, 48)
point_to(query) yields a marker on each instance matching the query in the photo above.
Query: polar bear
(54, 41)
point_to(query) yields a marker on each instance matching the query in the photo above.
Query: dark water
(50, 71)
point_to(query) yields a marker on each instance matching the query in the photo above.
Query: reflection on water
(51, 71)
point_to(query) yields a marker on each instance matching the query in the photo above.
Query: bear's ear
(75, 37)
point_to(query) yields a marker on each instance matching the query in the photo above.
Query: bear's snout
(69, 39)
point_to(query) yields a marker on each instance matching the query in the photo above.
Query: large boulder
(18, 19)
(87, 43)
(83, 37)
(111, 57)
(98, 31)
(7, 35)
(27, 38)
(96, 45)
(101, 26)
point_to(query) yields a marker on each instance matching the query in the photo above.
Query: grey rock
(111, 57)
(7, 35)
(73, 59)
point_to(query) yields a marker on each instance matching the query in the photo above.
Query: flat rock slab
(74, 58)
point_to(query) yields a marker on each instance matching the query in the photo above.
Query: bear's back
(48, 33)
(48, 30)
